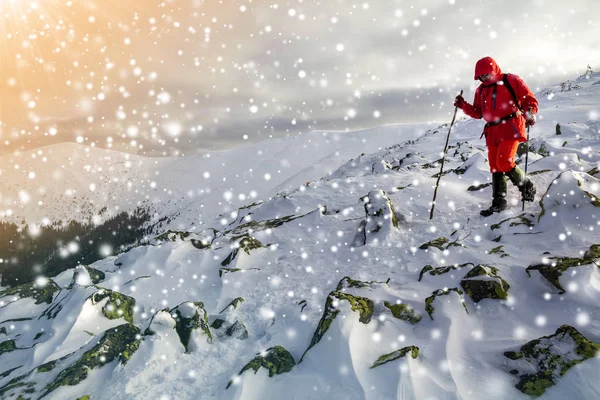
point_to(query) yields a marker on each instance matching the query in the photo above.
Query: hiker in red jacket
(508, 107)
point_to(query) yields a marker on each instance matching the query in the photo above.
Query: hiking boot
(527, 190)
(499, 203)
(525, 185)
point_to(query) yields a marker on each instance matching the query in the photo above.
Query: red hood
(487, 65)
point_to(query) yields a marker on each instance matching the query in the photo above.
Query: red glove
(459, 102)
(529, 118)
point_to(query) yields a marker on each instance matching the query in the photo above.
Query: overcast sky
(186, 76)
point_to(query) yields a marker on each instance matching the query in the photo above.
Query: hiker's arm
(473, 110)
(525, 96)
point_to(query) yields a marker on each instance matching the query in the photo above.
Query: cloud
(271, 69)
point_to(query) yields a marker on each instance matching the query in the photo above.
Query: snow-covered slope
(341, 287)
(70, 181)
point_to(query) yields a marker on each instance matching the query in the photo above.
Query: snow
(286, 282)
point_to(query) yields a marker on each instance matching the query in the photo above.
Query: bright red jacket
(493, 102)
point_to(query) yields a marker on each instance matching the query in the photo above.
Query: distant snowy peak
(583, 82)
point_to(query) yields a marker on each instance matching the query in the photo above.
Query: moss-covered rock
(386, 358)
(550, 358)
(277, 360)
(47, 367)
(43, 293)
(362, 305)
(403, 312)
(234, 303)
(117, 343)
(188, 317)
(246, 244)
(554, 270)
(442, 292)
(441, 270)
(483, 282)
(7, 346)
(117, 306)
(349, 283)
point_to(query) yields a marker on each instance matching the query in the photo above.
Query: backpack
(510, 90)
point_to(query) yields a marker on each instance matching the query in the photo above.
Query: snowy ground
(287, 255)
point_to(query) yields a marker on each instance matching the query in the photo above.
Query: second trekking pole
(526, 160)
(437, 183)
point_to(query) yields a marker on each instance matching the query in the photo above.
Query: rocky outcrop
(117, 306)
(386, 358)
(276, 360)
(42, 291)
(556, 266)
(483, 282)
(541, 362)
(189, 317)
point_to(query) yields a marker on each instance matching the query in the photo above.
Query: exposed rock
(41, 293)
(441, 243)
(380, 219)
(498, 250)
(47, 367)
(117, 306)
(234, 303)
(553, 271)
(348, 283)
(414, 352)
(7, 346)
(381, 166)
(237, 330)
(217, 323)
(116, 344)
(403, 312)
(483, 282)
(475, 188)
(190, 316)
(442, 292)
(441, 270)
(362, 305)
(228, 270)
(550, 358)
(276, 360)
(523, 219)
(246, 243)
(172, 236)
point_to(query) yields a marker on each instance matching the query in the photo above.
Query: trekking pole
(526, 158)
(443, 159)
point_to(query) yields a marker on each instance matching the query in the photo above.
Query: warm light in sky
(163, 77)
